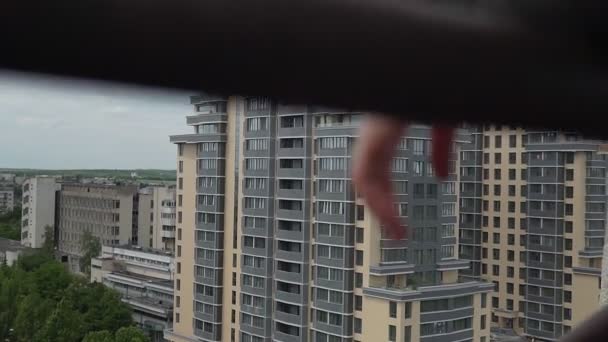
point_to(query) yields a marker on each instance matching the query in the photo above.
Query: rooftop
(11, 245)
(141, 249)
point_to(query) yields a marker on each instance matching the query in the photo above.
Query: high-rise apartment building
(38, 209)
(107, 212)
(532, 221)
(7, 199)
(156, 218)
(273, 243)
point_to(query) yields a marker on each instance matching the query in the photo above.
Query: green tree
(51, 280)
(48, 246)
(63, 325)
(10, 224)
(90, 248)
(99, 336)
(31, 316)
(130, 334)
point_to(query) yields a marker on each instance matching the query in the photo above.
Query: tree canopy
(41, 301)
(10, 224)
(91, 248)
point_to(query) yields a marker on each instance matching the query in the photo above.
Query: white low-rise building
(144, 278)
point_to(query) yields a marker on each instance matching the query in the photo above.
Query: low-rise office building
(144, 278)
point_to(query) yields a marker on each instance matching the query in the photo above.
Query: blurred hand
(372, 164)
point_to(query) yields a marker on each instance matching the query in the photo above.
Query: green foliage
(42, 302)
(125, 334)
(91, 248)
(48, 247)
(10, 224)
(130, 334)
(99, 336)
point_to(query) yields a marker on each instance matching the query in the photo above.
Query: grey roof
(11, 245)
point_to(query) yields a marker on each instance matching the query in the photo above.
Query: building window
(360, 212)
(486, 141)
(257, 124)
(359, 258)
(496, 190)
(486, 174)
(358, 303)
(496, 222)
(512, 141)
(512, 174)
(358, 326)
(512, 158)
(399, 164)
(495, 270)
(569, 174)
(392, 333)
(498, 141)
(359, 235)
(486, 158)
(497, 174)
(358, 280)
(496, 238)
(568, 296)
(497, 158)
(497, 206)
(486, 190)
(407, 334)
(392, 311)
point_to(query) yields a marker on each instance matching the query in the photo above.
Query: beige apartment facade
(533, 222)
(273, 245)
(107, 212)
(156, 218)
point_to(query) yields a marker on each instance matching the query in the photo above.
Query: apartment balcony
(543, 299)
(215, 299)
(197, 138)
(293, 277)
(283, 337)
(254, 330)
(168, 234)
(294, 152)
(209, 262)
(213, 281)
(289, 318)
(447, 315)
(208, 317)
(552, 336)
(292, 298)
(406, 293)
(254, 310)
(555, 265)
(206, 118)
(290, 256)
(554, 317)
(346, 306)
(214, 335)
(345, 329)
(461, 335)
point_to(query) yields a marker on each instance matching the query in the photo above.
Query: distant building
(7, 200)
(7, 177)
(108, 212)
(10, 250)
(156, 221)
(144, 278)
(38, 209)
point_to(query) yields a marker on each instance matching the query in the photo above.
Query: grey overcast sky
(53, 123)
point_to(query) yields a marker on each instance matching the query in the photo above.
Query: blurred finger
(372, 169)
(442, 140)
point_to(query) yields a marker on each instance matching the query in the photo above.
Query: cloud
(62, 123)
(38, 122)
